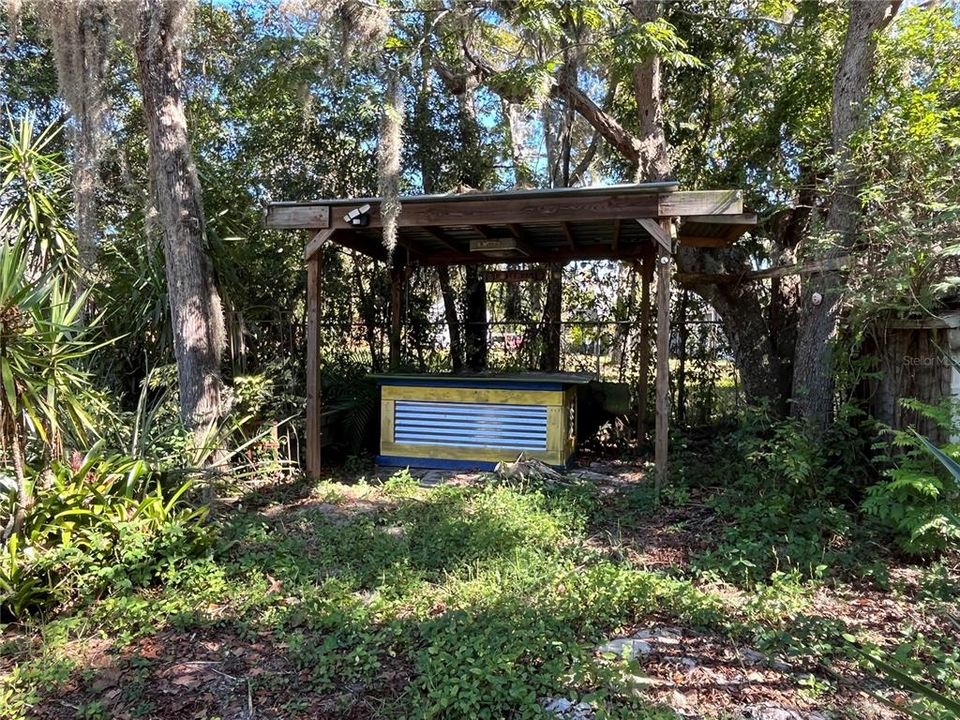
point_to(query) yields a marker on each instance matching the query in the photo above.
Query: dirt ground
(218, 672)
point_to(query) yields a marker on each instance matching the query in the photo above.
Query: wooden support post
(643, 375)
(398, 282)
(661, 447)
(312, 461)
(396, 316)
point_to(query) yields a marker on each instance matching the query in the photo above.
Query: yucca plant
(33, 194)
(42, 345)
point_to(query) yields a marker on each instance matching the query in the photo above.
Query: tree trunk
(450, 313)
(476, 319)
(197, 316)
(653, 161)
(742, 316)
(822, 296)
(552, 309)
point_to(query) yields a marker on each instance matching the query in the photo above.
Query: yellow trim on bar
(465, 453)
(387, 420)
(472, 395)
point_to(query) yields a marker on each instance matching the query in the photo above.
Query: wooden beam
(699, 203)
(522, 238)
(809, 268)
(661, 446)
(415, 251)
(615, 243)
(560, 254)
(297, 216)
(474, 213)
(568, 234)
(491, 210)
(487, 232)
(441, 237)
(705, 241)
(371, 248)
(658, 232)
(397, 282)
(748, 219)
(316, 243)
(643, 377)
(313, 424)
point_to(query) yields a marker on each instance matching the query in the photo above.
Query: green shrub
(918, 501)
(97, 522)
(785, 499)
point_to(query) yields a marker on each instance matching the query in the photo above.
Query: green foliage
(98, 522)
(42, 344)
(351, 402)
(33, 193)
(919, 500)
(785, 501)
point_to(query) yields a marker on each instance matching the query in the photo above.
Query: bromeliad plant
(101, 521)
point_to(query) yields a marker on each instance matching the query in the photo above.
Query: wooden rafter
(568, 234)
(317, 242)
(441, 237)
(523, 239)
(487, 232)
(657, 232)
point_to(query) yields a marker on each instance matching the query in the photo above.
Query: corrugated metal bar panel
(521, 427)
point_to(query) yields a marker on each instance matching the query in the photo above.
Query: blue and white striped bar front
(487, 425)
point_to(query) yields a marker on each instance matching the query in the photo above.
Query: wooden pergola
(643, 224)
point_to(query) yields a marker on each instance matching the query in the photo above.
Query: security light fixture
(358, 216)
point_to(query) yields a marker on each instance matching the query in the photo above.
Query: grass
(394, 601)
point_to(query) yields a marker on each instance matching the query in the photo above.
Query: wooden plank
(839, 263)
(556, 437)
(312, 464)
(748, 219)
(643, 375)
(317, 242)
(493, 210)
(699, 203)
(522, 238)
(441, 237)
(387, 421)
(543, 211)
(558, 255)
(704, 241)
(293, 216)
(657, 232)
(662, 389)
(411, 247)
(487, 232)
(616, 233)
(472, 395)
(371, 248)
(568, 234)
(463, 453)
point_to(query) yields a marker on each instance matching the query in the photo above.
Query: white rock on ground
(568, 709)
(625, 648)
(772, 711)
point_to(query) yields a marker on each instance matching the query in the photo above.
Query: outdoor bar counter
(477, 421)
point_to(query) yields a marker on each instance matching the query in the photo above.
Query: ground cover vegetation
(161, 554)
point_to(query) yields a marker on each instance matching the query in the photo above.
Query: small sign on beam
(514, 276)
